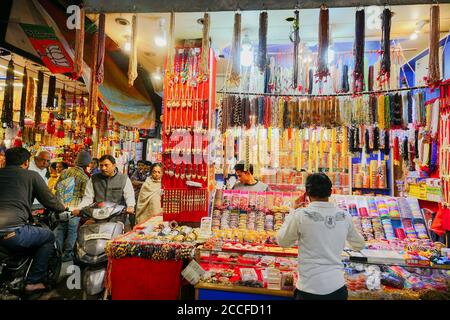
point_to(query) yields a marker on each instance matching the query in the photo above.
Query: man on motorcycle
(108, 185)
(19, 187)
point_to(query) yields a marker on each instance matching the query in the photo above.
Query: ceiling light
(127, 47)
(161, 37)
(122, 21)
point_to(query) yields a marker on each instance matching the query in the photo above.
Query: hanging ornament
(376, 139)
(434, 75)
(262, 44)
(322, 51)
(79, 46)
(132, 63)
(371, 78)
(38, 106)
(236, 51)
(23, 98)
(358, 51)
(385, 67)
(8, 98)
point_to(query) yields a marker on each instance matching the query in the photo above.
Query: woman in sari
(149, 200)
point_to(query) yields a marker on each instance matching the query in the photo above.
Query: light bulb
(161, 41)
(414, 36)
(127, 46)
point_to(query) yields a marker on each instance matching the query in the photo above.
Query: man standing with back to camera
(321, 230)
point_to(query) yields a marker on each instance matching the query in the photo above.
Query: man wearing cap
(70, 189)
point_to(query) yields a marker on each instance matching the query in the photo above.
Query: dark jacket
(109, 188)
(18, 188)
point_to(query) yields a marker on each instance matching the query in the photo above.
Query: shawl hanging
(132, 62)
(358, 51)
(236, 51)
(29, 107)
(296, 41)
(345, 83)
(100, 72)
(205, 45)
(434, 75)
(262, 44)
(385, 67)
(38, 106)
(79, 46)
(322, 51)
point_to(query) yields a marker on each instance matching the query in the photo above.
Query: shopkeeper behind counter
(246, 180)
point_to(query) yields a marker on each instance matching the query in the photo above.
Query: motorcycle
(107, 223)
(14, 267)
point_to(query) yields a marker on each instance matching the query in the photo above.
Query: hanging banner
(50, 49)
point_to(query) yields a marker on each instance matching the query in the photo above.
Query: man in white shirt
(321, 230)
(108, 185)
(40, 164)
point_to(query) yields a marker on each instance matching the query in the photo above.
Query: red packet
(400, 233)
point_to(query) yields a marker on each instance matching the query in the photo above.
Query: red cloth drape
(144, 279)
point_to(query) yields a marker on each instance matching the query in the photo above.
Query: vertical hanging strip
(100, 74)
(29, 107)
(311, 81)
(132, 63)
(387, 146)
(345, 83)
(433, 62)
(396, 152)
(380, 112)
(79, 46)
(358, 51)
(171, 46)
(262, 44)
(296, 44)
(51, 93)
(93, 84)
(322, 51)
(205, 45)
(376, 139)
(385, 67)
(409, 107)
(23, 99)
(38, 106)
(236, 51)
(62, 109)
(371, 79)
(8, 98)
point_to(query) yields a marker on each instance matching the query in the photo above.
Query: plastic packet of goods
(421, 230)
(248, 274)
(382, 208)
(372, 206)
(405, 209)
(394, 212)
(415, 207)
